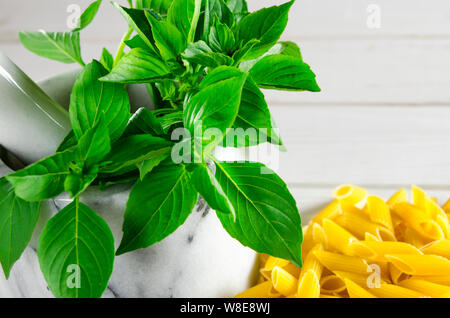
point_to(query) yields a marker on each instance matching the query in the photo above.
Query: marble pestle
(31, 123)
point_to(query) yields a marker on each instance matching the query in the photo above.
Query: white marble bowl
(199, 260)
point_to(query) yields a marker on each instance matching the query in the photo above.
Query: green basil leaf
(216, 105)
(77, 183)
(200, 53)
(287, 48)
(143, 121)
(137, 20)
(238, 6)
(265, 25)
(160, 6)
(181, 15)
(127, 152)
(107, 60)
(284, 72)
(60, 46)
(17, 222)
(138, 66)
(217, 8)
(246, 51)
(157, 206)
(44, 179)
(147, 166)
(95, 144)
(221, 38)
(253, 114)
(76, 252)
(106, 180)
(168, 39)
(91, 98)
(207, 186)
(267, 218)
(88, 15)
(68, 142)
(168, 120)
(283, 48)
(136, 42)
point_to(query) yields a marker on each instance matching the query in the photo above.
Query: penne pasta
(308, 242)
(394, 291)
(439, 216)
(441, 248)
(311, 263)
(359, 225)
(425, 287)
(399, 196)
(360, 279)
(424, 265)
(292, 269)
(319, 235)
(338, 262)
(371, 237)
(329, 296)
(341, 240)
(419, 198)
(414, 238)
(270, 264)
(274, 261)
(442, 280)
(331, 284)
(329, 212)
(309, 285)
(383, 248)
(446, 207)
(349, 194)
(360, 246)
(418, 220)
(356, 291)
(283, 282)
(395, 274)
(263, 290)
(379, 211)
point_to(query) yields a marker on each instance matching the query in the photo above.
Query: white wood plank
(309, 18)
(373, 145)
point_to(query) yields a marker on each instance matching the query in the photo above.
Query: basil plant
(204, 63)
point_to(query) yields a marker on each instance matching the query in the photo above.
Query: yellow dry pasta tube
(339, 262)
(418, 220)
(356, 291)
(379, 211)
(309, 285)
(425, 287)
(394, 291)
(332, 284)
(383, 248)
(360, 246)
(441, 248)
(340, 239)
(425, 265)
(329, 212)
(399, 196)
(262, 290)
(283, 282)
(349, 194)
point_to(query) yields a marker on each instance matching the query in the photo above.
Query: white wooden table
(383, 118)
